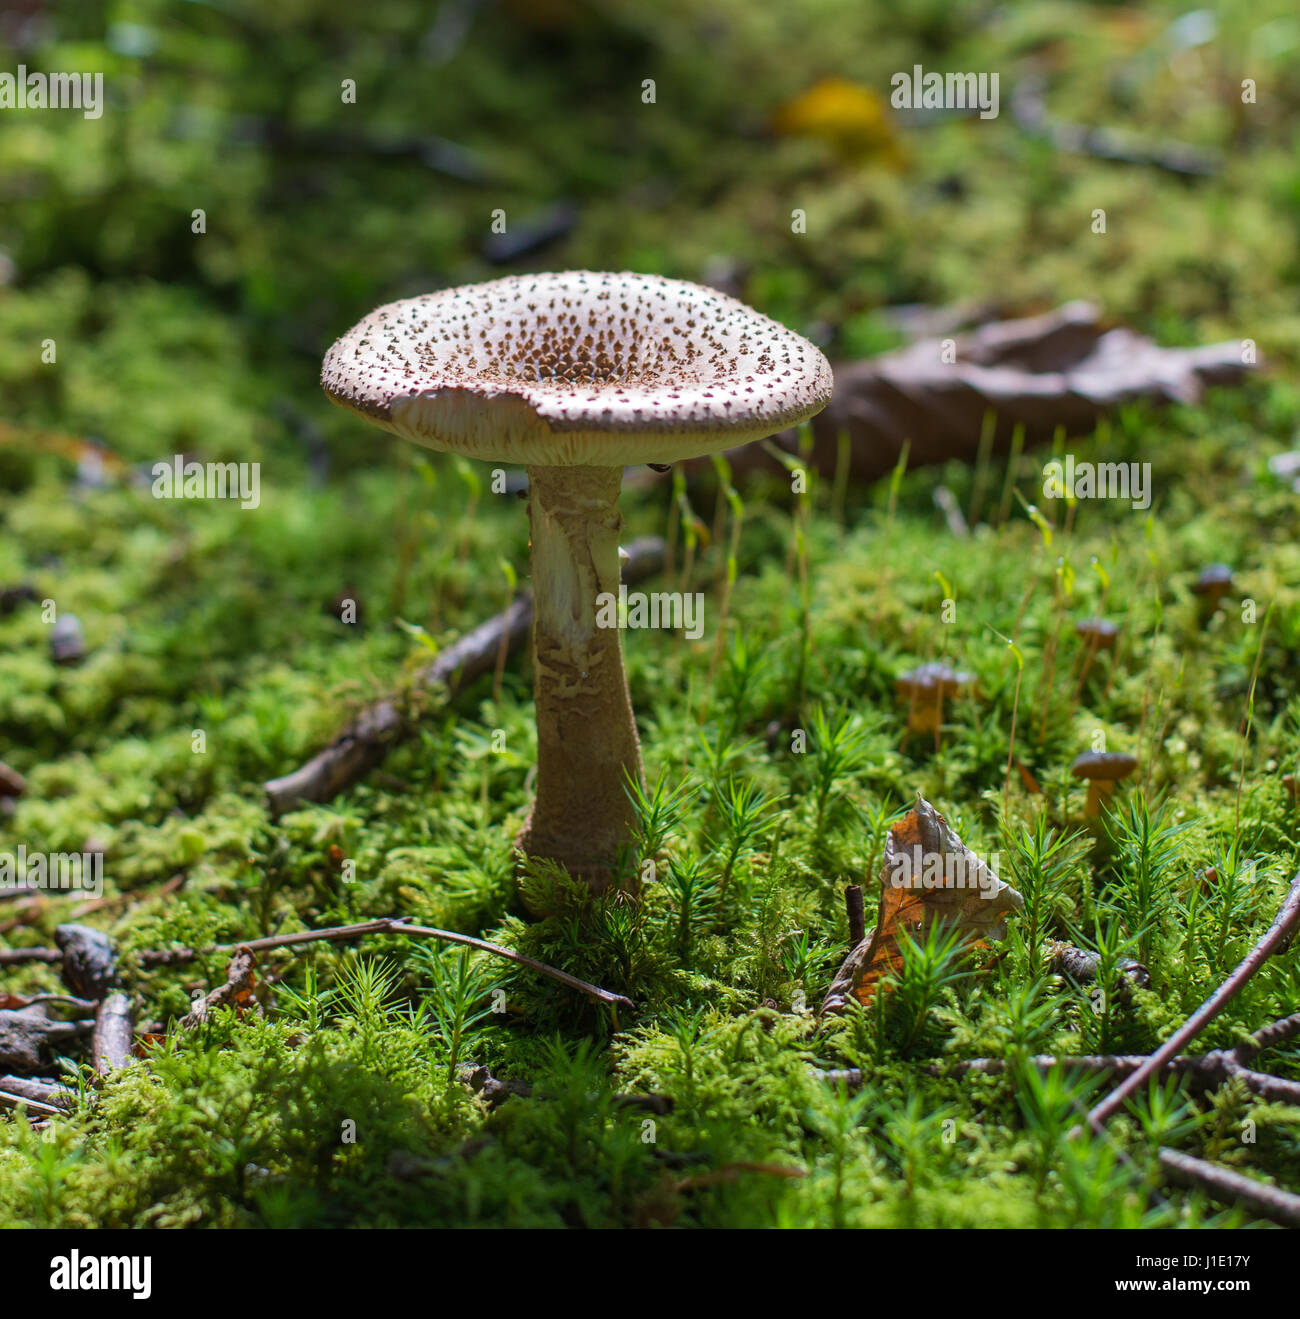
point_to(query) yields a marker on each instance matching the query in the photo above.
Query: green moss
(204, 619)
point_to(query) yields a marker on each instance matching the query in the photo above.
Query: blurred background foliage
(318, 209)
(202, 616)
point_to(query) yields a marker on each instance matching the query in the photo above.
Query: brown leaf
(1065, 368)
(851, 118)
(145, 1042)
(237, 992)
(929, 875)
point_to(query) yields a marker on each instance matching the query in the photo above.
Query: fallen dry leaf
(929, 875)
(853, 119)
(1065, 368)
(236, 993)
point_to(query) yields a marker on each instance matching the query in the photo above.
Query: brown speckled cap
(577, 369)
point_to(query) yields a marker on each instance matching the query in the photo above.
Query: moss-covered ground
(202, 617)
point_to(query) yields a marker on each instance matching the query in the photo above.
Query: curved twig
(1284, 924)
(387, 925)
(1269, 1202)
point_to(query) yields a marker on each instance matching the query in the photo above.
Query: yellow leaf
(851, 118)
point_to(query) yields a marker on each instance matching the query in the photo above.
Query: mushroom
(1102, 770)
(576, 375)
(926, 688)
(1212, 585)
(1097, 633)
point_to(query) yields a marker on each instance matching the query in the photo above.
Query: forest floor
(216, 657)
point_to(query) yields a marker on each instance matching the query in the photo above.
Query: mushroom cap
(577, 368)
(1101, 631)
(1216, 579)
(1105, 765)
(932, 679)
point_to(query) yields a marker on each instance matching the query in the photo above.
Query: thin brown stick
(1208, 1068)
(731, 1172)
(130, 899)
(1274, 1089)
(1269, 1037)
(387, 925)
(81, 1004)
(19, 956)
(50, 1094)
(594, 991)
(35, 1105)
(857, 914)
(365, 742)
(110, 1046)
(1221, 1184)
(1206, 1071)
(1284, 924)
(12, 892)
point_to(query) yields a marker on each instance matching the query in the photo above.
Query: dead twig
(1205, 1071)
(1283, 926)
(34, 1090)
(173, 885)
(110, 1045)
(730, 1172)
(856, 913)
(1269, 1037)
(81, 1004)
(387, 925)
(25, 1101)
(1029, 109)
(366, 741)
(1229, 1187)
(20, 956)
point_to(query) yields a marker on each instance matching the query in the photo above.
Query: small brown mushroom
(927, 687)
(1097, 633)
(1211, 586)
(1102, 770)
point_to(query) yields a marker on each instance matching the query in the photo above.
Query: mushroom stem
(587, 743)
(1100, 792)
